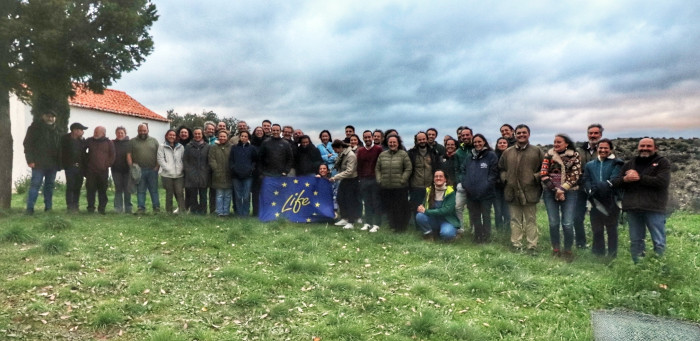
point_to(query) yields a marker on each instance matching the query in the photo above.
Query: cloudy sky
(633, 66)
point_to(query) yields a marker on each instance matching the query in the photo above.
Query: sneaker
(348, 226)
(359, 220)
(428, 237)
(556, 253)
(341, 222)
(365, 227)
(460, 231)
(156, 210)
(140, 211)
(374, 229)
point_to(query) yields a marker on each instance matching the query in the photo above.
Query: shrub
(56, 223)
(18, 234)
(55, 246)
(108, 317)
(22, 184)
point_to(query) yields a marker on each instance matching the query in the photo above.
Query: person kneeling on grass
(437, 214)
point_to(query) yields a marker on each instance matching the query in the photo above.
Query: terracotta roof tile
(114, 101)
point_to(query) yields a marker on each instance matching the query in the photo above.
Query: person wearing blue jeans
(560, 173)
(148, 182)
(560, 213)
(641, 221)
(143, 151)
(219, 155)
(41, 150)
(242, 160)
(437, 214)
(223, 202)
(645, 180)
(47, 177)
(241, 190)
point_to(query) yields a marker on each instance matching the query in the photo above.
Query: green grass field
(164, 277)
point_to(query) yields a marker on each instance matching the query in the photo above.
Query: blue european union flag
(303, 199)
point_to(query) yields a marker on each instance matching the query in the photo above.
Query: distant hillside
(684, 155)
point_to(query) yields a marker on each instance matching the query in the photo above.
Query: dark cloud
(557, 66)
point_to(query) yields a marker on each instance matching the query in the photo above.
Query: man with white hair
(100, 156)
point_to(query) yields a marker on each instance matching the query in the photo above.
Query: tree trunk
(7, 152)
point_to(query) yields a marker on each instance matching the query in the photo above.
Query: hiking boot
(568, 256)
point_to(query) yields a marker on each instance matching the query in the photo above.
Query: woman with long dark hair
(501, 211)
(325, 147)
(436, 216)
(561, 169)
(197, 173)
(256, 140)
(448, 160)
(479, 181)
(123, 185)
(172, 172)
(393, 171)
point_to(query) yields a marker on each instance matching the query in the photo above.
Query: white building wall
(21, 118)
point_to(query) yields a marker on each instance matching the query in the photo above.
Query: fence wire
(624, 325)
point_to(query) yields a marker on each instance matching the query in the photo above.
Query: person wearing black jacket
(645, 180)
(307, 158)
(43, 155)
(242, 162)
(479, 181)
(197, 173)
(123, 184)
(72, 154)
(275, 154)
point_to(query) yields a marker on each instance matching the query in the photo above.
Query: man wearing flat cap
(72, 154)
(41, 150)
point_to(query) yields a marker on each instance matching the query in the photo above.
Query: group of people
(209, 169)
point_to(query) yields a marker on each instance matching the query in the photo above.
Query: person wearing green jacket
(221, 180)
(437, 215)
(393, 170)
